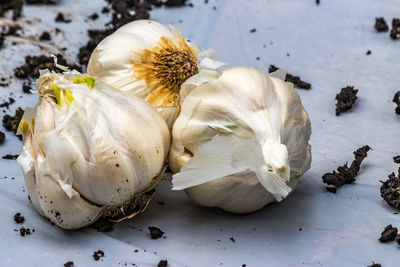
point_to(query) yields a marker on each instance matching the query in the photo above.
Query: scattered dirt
(7, 30)
(98, 254)
(390, 190)
(11, 123)
(18, 218)
(162, 263)
(317, 2)
(60, 18)
(35, 63)
(103, 225)
(396, 159)
(9, 156)
(368, 52)
(2, 137)
(345, 99)
(396, 99)
(45, 36)
(155, 232)
(233, 239)
(389, 234)
(94, 16)
(345, 174)
(395, 32)
(375, 265)
(253, 30)
(11, 5)
(296, 80)
(24, 231)
(26, 88)
(69, 264)
(6, 104)
(381, 25)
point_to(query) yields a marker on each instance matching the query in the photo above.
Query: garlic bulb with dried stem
(90, 151)
(146, 59)
(240, 141)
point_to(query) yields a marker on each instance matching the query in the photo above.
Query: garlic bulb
(90, 151)
(151, 61)
(240, 141)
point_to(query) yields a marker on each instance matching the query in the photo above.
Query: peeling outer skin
(136, 205)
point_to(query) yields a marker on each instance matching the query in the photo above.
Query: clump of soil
(94, 16)
(45, 36)
(69, 264)
(296, 80)
(98, 254)
(395, 32)
(35, 63)
(375, 265)
(26, 88)
(381, 25)
(345, 99)
(48, 2)
(389, 234)
(368, 52)
(396, 99)
(24, 231)
(155, 232)
(60, 18)
(345, 174)
(8, 30)
(9, 156)
(103, 225)
(18, 218)
(6, 104)
(2, 137)
(162, 263)
(11, 122)
(13, 5)
(396, 159)
(390, 190)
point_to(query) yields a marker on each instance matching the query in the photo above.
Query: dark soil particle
(2, 137)
(233, 239)
(94, 16)
(7, 31)
(45, 36)
(296, 80)
(389, 234)
(396, 99)
(9, 156)
(6, 104)
(13, 5)
(381, 25)
(26, 88)
(375, 265)
(48, 2)
(317, 2)
(345, 174)
(396, 159)
(368, 52)
(390, 190)
(171, 3)
(24, 231)
(345, 99)
(35, 63)
(69, 264)
(60, 18)
(395, 32)
(162, 263)
(253, 30)
(18, 218)
(11, 123)
(155, 232)
(98, 254)
(103, 225)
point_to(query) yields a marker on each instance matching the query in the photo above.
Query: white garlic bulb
(151, 61)
(90, 151)
(240, 141)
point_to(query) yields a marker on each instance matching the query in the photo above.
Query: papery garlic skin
(91, 155)
(146, 59)
(240, 141)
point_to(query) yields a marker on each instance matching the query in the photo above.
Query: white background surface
(327, 46)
